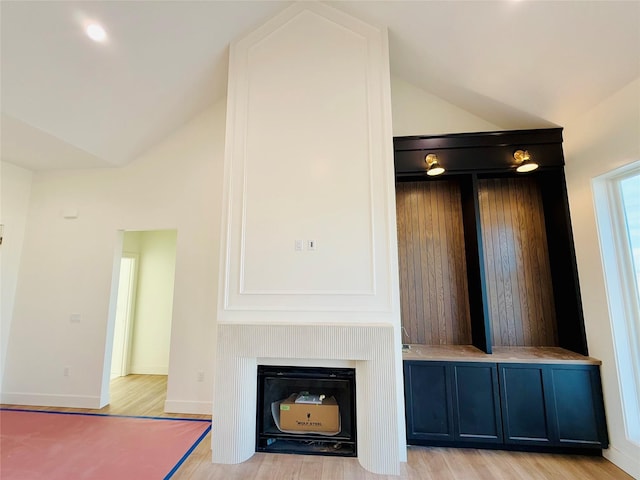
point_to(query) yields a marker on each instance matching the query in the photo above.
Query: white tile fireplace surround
(242, 346)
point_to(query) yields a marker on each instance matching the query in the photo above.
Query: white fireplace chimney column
(309, 251)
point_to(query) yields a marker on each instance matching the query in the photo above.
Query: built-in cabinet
(507, 405)
(486, 262)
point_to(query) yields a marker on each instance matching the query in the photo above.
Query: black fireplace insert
(318, 391)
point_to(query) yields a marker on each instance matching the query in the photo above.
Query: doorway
(143, 306)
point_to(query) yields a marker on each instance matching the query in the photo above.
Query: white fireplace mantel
(234, 404)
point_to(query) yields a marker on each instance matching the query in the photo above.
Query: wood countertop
(469, 353)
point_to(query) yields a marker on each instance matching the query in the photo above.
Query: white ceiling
(68, 102)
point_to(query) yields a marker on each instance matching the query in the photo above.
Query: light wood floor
(145, 395)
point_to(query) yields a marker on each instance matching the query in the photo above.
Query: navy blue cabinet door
(476, 409)
(525, 413)
(577, 394)
(427, 400)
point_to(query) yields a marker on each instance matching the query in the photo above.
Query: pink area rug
(74, 446)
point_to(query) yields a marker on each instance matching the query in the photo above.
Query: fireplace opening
(306, 410)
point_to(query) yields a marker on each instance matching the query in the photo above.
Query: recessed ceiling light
(96, 32)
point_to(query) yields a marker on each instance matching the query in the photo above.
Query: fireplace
(306, 410)
(242, 347)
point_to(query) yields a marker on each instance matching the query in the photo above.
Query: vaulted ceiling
(68, 102)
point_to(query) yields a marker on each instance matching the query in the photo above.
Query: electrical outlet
(298, 245)
(200, 376)
(67, 371)
(75, 318)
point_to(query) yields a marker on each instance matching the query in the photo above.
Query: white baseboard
(188, 406)
(51, 400)
(624, 461)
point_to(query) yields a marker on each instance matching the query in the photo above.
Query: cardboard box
(306, 417)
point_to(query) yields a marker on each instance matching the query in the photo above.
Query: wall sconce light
(523, 159)
(434, 168)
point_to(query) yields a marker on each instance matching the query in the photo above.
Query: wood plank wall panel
(516, 262)
(433, 279)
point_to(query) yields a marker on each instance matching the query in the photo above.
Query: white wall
(154, 302)
(68, 265)
(15, 189)
(417, 112)
(605, 138)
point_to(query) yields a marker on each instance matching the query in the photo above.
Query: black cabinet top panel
(478, 152)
